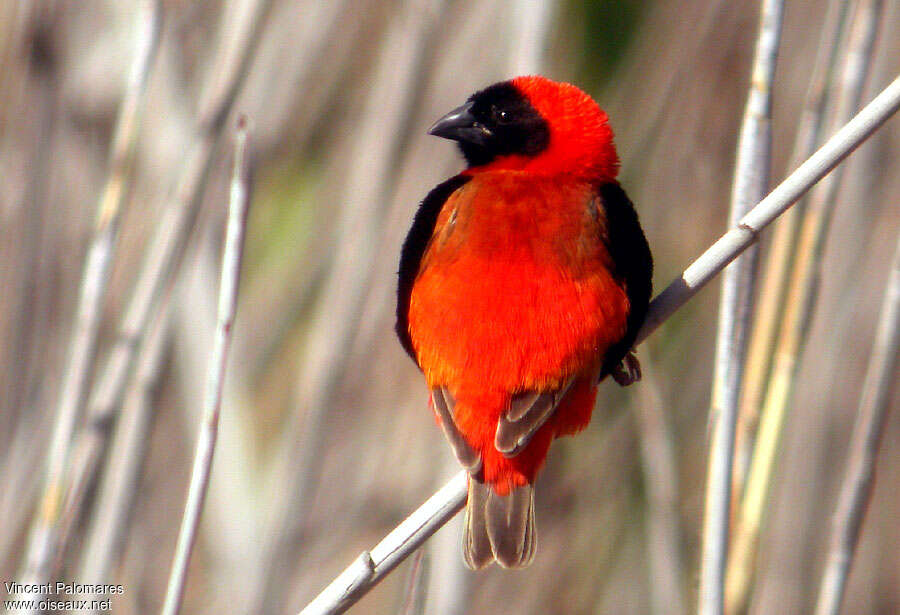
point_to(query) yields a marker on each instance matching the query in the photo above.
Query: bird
(523, 282)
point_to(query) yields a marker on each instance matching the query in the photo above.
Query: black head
(497, 121)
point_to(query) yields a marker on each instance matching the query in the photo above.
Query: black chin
(475, 154)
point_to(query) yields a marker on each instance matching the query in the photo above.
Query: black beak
(461, 125)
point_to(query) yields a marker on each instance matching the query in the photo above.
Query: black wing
(633, 265)
(414, 249)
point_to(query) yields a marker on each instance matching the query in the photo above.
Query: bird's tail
(499, 527)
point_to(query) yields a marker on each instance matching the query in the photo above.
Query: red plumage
(522, 282)
(517, 298)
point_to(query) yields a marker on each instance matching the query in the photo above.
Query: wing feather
(527, 413)
(445, 404)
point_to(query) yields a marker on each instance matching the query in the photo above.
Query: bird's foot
(628, 371)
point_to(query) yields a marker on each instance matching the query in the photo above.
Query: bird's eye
(501, 116)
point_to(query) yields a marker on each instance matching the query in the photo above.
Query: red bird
(523, 283)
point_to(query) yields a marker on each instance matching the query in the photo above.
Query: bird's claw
(628, 371)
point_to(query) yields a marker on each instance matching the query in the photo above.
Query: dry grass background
(339, 96)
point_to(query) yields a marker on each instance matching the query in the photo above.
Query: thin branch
(732, 243)
(335, 321)
(20, 465)
(782, 244)
(414, 603)
(231, 510)
(166, 248)
(751, 181)
(798, 312)
(370, 567)
(127, 453)
(661, 480)
(44, 537)
(530, 23)
(20, 290)
(206, 443)
(864, 445)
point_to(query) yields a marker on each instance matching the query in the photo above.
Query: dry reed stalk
(166, 248)
(658, 461)
(371, 566)
(530, 24)
(781, 252)
(232, 256)
(751, 181)
(414, 603)
(864, 444)
(128, 449)
(44, 538)
(798, 312)
(19, 465)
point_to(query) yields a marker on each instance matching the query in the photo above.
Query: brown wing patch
(445, 404)
(527, 412)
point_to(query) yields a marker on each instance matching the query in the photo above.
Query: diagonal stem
(801, 299)
(371, 566)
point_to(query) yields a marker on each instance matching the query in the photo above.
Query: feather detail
(444, 405)
(477, 551)
(499, 527)
(510, 526)
(527, 413)
(507, 320)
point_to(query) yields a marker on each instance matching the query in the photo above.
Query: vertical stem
(782, 244)
(529, 36)
(864, 444)
(661, 480)
(43, 540)
(414, 603)
(799, 306)
(127, 453)
(206, 443)
(166, 247)
(750, 185)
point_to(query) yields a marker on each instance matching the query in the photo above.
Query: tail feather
(499, 527)
(476, 544)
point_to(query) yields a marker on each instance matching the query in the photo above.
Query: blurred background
(326, 441)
